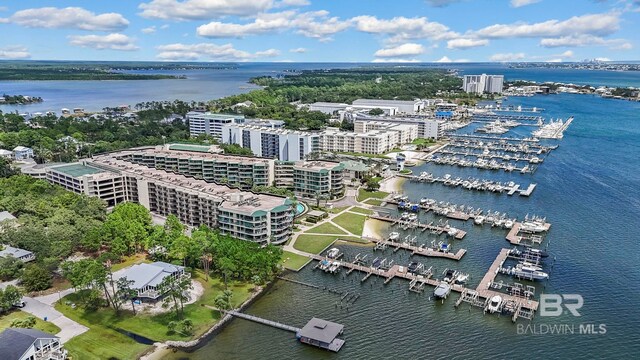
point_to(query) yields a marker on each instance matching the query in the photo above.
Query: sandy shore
(375, 228)
(393, 184)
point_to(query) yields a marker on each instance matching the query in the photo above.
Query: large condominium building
(328, 107)
(427, 128)
(237, 171)
(210, 123)
(318, 178)
(404, 107)
(406, 132)
(255, 217)
(483, 84)
(372, 142)
(281, 144)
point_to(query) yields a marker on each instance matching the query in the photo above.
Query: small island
(19, 99)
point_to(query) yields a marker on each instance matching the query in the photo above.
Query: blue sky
(321, 30)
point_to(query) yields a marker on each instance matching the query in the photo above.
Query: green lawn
(423, 142)
(326, 228)
(314, 243)
(7, 319)
(293, 261)
(151, 326)
(405, 171)
(374, 202)
(362, 211)
(337, 210)
(351, 222)
(130, 260)
(364, 194)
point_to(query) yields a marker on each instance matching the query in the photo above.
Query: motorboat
(538, 252)
(531, 265)
(442, 290)
(394, 236)
(333, 253)
(324, 264)
(479, 220)
(461, 278)
(494, 304)
(413, 266)
(534, 227)
(452, 231)
(412, 217)
(508, 224)
(450, 275)
(528, 272)
(335, 266)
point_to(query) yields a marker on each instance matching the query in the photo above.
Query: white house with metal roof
(28, 344)
(21, 254)
(148, 277)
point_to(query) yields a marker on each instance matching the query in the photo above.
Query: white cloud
(395, 60)
(446, 59)
(314, 24)
(567, 53)
(202, 9)
(554, 60)
(3, 8)
(68, 18)
(464, 43)
(208, 51)
(14, 53)
(113, 41)
(149, 30)
(521, 3)
(403, 50)
(299, 50)
(592, 24)
(507, 57)
(164, 26)
(288, 3)
(585, 40)
(402, 28)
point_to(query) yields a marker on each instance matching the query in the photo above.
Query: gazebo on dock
(322, 333)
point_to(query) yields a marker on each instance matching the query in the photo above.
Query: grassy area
(405, 171)
(374, 202)
(351, 222)
(364, 194)
(293, 261)
(362, 211)
(326, 228)
(314, 243)
(7, 319)
(130, 260)
(337, 210)
(102, 342)
(355, 240)
(423, 142)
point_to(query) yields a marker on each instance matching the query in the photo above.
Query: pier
(421, 250)
(471, 184)
(459, 234)
(515, 238)
(259, 320)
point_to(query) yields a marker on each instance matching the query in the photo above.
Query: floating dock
(460, 234)
(423, 251)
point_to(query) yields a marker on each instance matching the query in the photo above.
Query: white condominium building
(210, 123)
(281, 144)
(484, 83)
(404, 107)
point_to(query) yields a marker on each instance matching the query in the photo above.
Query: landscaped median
(102, 341)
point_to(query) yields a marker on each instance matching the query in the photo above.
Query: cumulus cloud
(507, 57)
(554, 60)
(113, 41)
(149, 30)
(208, 51)
(395, 60)
(409, 49)
(14, 53)
(68, 18)
(314, 24)
(202, 9)
(402, 28)
(446, 59)
(585, 40)
(521, 3)
(464, 43)
(592, 24)
(299, 50)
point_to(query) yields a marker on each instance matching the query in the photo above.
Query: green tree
(36, 278)
(10, 296)
(187, 326)
(27, 322)
(376, 111)
(125, 292)
(10, 268)
(175, 290)
(6, 168)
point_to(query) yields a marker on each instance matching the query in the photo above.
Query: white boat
(442, 290)
(508, 224)
(413, 217)
(452, 231)
(462, 278)
(533, 227)
(333, 253)
(527, 272)
(534, 160)
(335, 266)
(494, 304)
(531, 266)
(479, 220)
(394, 236)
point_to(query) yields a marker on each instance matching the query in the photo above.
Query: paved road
(42, 308)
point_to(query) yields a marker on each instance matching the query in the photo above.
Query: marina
(434, 229)
(470, 183)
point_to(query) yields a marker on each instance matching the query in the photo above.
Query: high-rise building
(281, 144)
(210, 123)
(484, 83)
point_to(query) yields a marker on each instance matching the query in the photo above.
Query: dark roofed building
(322, 333)
(27, 344)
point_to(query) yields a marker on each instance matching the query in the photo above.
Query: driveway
(42, 308)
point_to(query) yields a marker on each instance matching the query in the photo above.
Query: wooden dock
(514, 236)
(460, 234)
(528, 191)
(262, 321)
(425, 251)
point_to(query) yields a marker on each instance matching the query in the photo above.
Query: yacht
(394, 236)
(494, 304)
(462, 278)
(479, 220)
(333, 253)
(335, 266)
(534, 227)
(527, 272)
(442, 290)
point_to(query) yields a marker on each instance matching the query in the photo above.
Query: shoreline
(392, 184)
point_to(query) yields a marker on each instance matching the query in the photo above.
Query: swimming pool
(299, 209)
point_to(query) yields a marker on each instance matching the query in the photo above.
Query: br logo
(552, 304)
